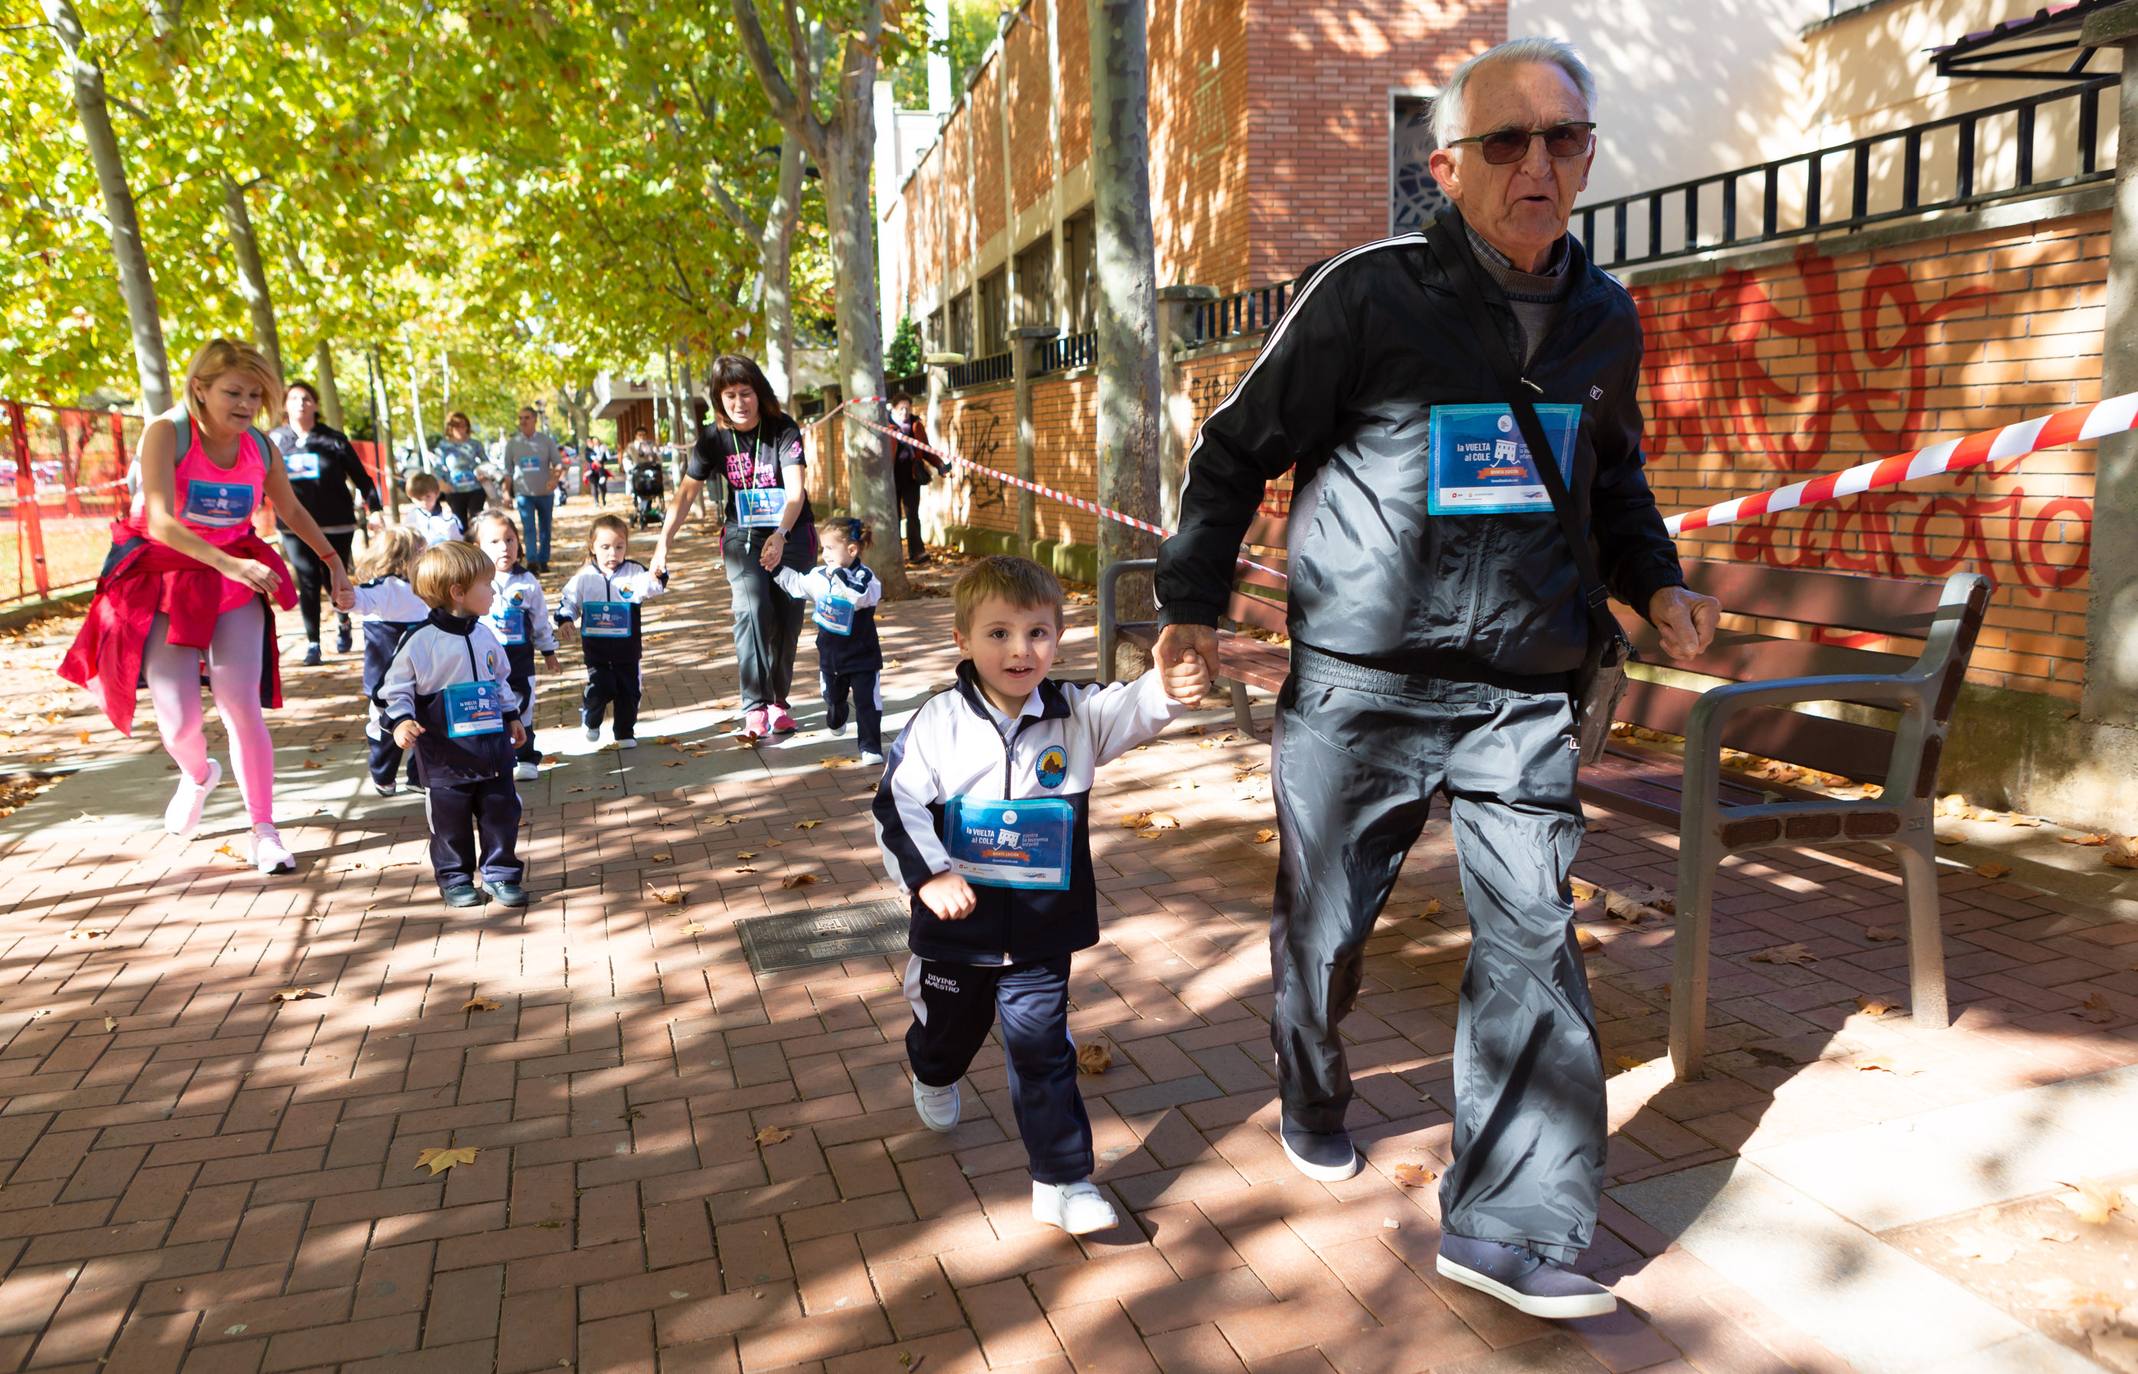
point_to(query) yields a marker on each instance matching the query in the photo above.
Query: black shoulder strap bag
(1603, 668)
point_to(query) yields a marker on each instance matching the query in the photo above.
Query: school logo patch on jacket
(1053, 767)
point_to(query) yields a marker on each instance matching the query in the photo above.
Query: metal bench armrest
(1109, 577)
(1910, 692)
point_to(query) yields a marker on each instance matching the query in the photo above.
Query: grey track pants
(1356, 759)
(768, 626)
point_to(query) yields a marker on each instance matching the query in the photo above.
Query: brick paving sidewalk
(682, 1166)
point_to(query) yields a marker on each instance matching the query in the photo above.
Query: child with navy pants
(448, 696)
(843, 596)
(386, 599)
(604, 598)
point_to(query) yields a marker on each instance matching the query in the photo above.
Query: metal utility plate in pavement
(802, 938)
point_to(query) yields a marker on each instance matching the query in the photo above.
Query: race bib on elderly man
(1480, 466)
(1021, 844)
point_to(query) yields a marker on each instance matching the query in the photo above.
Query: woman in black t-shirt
(322, 467)
(755, 453)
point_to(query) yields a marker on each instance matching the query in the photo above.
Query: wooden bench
(1761, 676)
(1257, 601)
(1764, 675)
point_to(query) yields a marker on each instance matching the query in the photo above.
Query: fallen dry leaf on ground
(82, 737)
(1987, 1248)
(310, 763)
(1586, 941)
(229, 851)
(1786, 954)
(660, 858)
(440, 1160)
(746, 855)
(1265, 835)
(87, 933)
(794, 880)
(694, 928)
(1135, 821)
(1957, 807)
(1432, 907)
(1159, 820)
(481, 1004)
(1880, 934)
(773, 1135)
(667, 897)
(1094, 1058)
(1993, 869)
(807, 825)
(1872, 1006)
(2088, 839)
(1875, 1063)
(2121, 852)
(1628, 1061)
(2091, 1202)
(2095, 1009)
(110, 1024)
(1413, 1175)
(295, 995)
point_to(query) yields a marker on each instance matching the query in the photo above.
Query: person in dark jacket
(912, 468)
(1435, 647)
(322, 467)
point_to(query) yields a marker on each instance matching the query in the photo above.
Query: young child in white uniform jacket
(604, 599)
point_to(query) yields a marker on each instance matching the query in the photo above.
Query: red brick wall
(1319, 122)
(1025, 52)
(1754, 379)
(982, 122)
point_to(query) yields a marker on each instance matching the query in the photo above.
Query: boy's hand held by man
(1187, 679)
(949, 896)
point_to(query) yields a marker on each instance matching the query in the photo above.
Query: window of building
(933, 340)
(1413, 196)
(961, 339)
(994, 309)
(1035, 282)
(1080, 253)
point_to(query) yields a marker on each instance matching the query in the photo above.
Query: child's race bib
(473, 708)
(605, 620)
(509, 624)
(760, 507)
(302, 465)
(1018, 844)
(835, 615)
(1480, 466)
(218, 505)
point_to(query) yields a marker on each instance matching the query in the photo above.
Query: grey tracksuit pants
(768, 625)
(1356, 759)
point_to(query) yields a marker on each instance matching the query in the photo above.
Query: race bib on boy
(605, 620)
(835, 615)
(473, 708)
(218, 505)
(508, 624)
(1480, 466)
(1018, 844)
(760, 507)
(302, 465)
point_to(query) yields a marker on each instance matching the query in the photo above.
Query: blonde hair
(1019, 581)
(446, 566)
(392, 554)
(219, 358)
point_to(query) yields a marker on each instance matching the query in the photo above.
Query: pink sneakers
(780, 722)
(754, 724)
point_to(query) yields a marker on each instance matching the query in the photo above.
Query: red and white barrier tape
(2110, 416)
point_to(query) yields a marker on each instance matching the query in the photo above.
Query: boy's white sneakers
(527, 772)
(182, 816)
(938, 1107)
(269, 854)
(1078, 1208)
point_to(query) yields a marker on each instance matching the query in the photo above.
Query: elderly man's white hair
(1448, 111)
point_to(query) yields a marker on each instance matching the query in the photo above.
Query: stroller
(646, 488)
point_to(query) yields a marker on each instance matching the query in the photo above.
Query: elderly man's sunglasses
(1503, 146)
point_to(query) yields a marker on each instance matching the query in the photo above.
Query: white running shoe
(182, 816)
(527, 772)
(628, 742)
(593, 734)
(269, 854)
(872, 758)
(1078, 1208)
(938, 1107)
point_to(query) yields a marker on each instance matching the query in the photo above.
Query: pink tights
(173, 673)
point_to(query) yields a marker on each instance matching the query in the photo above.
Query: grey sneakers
(1522, 1278)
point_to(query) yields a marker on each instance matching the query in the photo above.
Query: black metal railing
(1250, 312)
(980, 371)
(1984, 154)
(1069, 351)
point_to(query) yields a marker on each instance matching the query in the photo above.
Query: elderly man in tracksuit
(1436, 652)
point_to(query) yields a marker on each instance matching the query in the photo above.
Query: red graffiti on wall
(1735, 373)
(1713, 387)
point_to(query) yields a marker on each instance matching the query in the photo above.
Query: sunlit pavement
(217, 1087)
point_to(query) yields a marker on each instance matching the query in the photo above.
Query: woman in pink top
(188, 582)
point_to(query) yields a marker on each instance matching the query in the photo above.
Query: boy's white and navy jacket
(390, 608)
(630, 582)
(953, 748)
(438, 526)
(446, 650)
